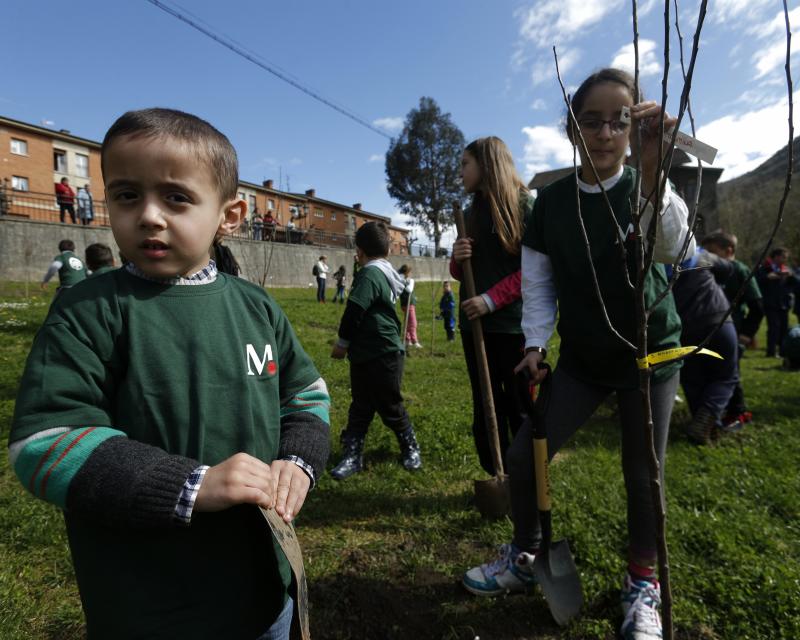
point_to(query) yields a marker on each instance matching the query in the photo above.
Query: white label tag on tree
(692, 146)
(625, 115)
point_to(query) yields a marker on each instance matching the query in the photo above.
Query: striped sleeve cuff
(313, 399)
(46, 462)
(188, 495)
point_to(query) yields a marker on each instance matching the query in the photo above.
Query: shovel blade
(492, 497)
(558, 577)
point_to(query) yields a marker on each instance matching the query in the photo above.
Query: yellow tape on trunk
(671, 354)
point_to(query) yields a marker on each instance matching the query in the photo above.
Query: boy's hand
(462, 249)
(475, 307)
(291, 488)
(338, 352)
(241, 479)
(43, 285)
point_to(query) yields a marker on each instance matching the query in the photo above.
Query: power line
(270, 68)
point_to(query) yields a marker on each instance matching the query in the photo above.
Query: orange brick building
(34, 158)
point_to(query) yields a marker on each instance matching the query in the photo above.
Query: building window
(318, 213)
(59, 161)
(271, 205)
(20, 147)
(81, 165)
(252, 203)
(18, 183)
(333, 215)
(242, 196)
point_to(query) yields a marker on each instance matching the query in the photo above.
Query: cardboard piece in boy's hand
(284, 534)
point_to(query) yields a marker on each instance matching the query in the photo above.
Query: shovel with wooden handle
(491, 496)
(554, 567)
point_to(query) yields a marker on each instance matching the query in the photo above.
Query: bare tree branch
(573, 123)
(781, 206)
(684, 105)
(598, 293)
(676, 265)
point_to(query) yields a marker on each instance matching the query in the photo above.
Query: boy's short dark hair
(373, 239)
(404, 269)
(778, 251)
(66, 245)
(99, 255)
(215, 149)
(722, 239)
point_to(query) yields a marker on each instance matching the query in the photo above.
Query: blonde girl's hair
(500, 191)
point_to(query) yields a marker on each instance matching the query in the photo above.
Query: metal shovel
(491, 496)
(554, 566)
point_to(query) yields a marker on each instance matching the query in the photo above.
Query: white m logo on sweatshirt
(254, 361)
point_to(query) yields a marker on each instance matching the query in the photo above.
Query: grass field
(385, 550)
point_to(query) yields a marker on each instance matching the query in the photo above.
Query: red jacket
(502, 293)
(64, 194)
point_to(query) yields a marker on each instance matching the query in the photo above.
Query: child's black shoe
(409, 449)
(352, 458)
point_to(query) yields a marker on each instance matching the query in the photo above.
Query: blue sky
(489, 64)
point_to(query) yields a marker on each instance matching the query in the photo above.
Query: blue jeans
(709, 382)
(320, 289)
(282, 625)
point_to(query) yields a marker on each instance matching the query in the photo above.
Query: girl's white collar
(608, 183)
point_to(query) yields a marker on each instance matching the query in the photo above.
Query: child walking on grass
(369, 335)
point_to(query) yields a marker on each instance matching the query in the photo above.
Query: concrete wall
(27, 248)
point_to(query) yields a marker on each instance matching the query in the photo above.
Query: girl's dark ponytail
(226, 263)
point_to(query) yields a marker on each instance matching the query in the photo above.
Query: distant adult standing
(258, 225)
(85, 205)
(776, 281)
(270, 224)
(65, 197)
(321, 272)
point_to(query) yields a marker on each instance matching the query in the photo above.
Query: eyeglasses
(595, 125)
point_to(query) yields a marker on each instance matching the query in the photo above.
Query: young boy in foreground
(158, 415)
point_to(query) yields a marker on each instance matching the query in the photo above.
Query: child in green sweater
(593, 363)
(67, 265)
(369, 335)
(163, 402)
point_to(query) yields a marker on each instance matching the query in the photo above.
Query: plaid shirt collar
(206, 275)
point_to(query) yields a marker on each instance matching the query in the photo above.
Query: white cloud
(376, 157)
(648, 62)
(550, 22)
(745, 140)
(767, 58)
(724, 11)
(391, 124)
(545, 68)
(539, 105)
(545, 148)
(646, 7)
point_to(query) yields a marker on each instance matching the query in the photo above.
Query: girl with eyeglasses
(593, 363)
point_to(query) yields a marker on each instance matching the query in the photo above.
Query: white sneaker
(511, 571)
(640, 600)
(418, 345)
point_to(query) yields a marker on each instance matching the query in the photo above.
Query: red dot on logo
(271, 368)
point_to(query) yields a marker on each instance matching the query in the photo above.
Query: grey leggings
(572, 403)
